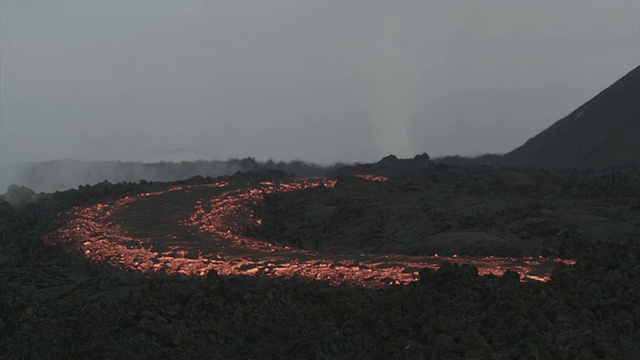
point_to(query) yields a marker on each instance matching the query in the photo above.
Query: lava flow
(194, 229)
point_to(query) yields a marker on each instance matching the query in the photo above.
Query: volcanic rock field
(64, 298)
(531, 255)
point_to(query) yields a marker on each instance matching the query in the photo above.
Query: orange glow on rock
(194, 229)
(375, 178)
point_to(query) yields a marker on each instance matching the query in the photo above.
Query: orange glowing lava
(193, 229)
(374, 178)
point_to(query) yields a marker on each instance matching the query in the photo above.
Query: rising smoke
(390, 82)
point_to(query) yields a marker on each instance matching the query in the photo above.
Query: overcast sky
(322, 81)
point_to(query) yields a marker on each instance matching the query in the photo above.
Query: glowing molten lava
(374, 178)
(194, 229)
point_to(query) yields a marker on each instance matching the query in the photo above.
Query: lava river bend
(197, 228)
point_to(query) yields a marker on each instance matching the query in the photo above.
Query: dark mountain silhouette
(604, 132)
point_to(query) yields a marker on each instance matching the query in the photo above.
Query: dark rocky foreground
(55, 306)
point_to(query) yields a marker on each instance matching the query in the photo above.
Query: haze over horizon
(318, 81)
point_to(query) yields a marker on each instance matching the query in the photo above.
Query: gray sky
(322, 81)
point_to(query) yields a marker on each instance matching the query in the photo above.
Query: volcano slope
(59, 303)
(604, 132)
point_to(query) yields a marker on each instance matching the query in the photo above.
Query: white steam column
(390, 82)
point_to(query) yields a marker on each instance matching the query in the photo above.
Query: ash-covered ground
(56, 304)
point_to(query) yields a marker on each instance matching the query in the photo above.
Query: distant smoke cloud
(322, 81)
(390, 82)
(62, 175)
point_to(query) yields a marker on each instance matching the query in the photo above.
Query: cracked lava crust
(194, 229)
